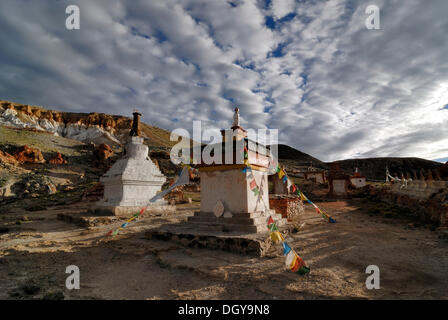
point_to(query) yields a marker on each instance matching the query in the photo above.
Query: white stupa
(132, 181)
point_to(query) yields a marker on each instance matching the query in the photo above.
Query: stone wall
(420, 189)
(428, 199)
(289, 206)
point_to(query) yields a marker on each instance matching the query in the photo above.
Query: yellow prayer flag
(276, 236)
(281, 174)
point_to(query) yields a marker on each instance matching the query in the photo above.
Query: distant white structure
(358, 180)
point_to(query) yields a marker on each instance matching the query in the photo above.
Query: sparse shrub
(30, 288)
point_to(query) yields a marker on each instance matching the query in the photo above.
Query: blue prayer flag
(286, 248)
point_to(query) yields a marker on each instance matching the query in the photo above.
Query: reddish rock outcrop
(103, 152)
(57, 159)
(27, 154)
(5, 157)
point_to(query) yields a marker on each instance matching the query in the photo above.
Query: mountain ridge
(372, 168)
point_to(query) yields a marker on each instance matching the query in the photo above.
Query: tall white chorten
(229, 201)
(133, 180)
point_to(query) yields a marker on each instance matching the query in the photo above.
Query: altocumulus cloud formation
(309, 68)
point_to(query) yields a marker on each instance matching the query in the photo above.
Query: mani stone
(131, 182)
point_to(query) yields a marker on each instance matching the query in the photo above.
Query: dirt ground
(34, 254)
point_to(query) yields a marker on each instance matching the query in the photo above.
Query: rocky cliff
(85, 127)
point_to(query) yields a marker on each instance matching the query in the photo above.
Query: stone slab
(189, 235)
(121, 211)
(86, 220)
(240, 222)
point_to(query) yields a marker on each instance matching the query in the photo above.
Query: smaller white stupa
(133, 180)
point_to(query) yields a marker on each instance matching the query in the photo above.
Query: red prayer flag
(295, 267)
(270, 221)
(299, 263)
(253, 184)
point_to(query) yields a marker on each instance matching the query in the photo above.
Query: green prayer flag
(304, 270)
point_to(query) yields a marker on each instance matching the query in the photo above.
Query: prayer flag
(286, 248)
(109, 233)
(295, 264)
(124, 225)
(273, 227)
(253, 184)
(304, 270)
(298, 263)
(276, 236)
(270, 221)
(115, 232)
(290, 258)
(281, 174)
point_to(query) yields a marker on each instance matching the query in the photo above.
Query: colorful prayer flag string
(284, 177)
(297, 264)
(293, 261)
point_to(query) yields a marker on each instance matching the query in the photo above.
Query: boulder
(103, 152)
(27, 154)
(7, 158)
(57, 159)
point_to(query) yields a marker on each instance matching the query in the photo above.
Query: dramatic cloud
(311, 69)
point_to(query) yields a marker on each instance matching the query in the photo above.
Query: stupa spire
(236, 118)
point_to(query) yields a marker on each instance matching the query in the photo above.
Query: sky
(311, 69)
